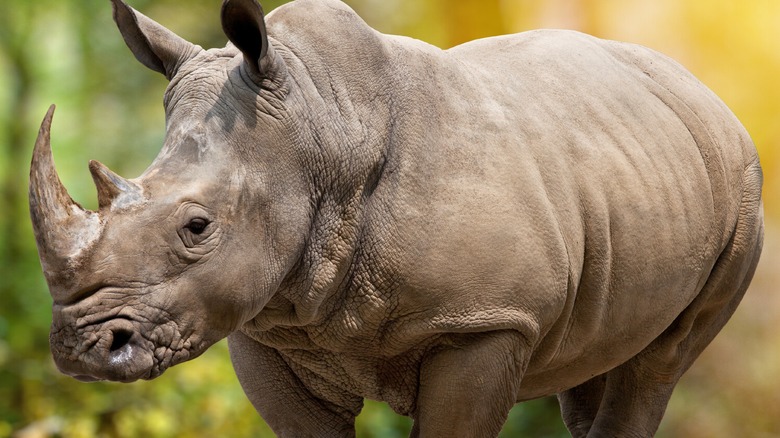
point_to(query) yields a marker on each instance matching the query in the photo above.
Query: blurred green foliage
(70, 53)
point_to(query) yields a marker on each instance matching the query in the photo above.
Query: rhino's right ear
(244, 24)
(155, 46)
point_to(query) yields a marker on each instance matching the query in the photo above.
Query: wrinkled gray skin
(367, 216)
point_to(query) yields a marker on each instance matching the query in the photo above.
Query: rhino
(452, 232)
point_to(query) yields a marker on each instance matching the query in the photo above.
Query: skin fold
(451, 232)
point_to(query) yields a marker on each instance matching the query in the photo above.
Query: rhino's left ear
(155, 46)
(244, 24)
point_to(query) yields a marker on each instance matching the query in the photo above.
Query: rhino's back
(554, 181)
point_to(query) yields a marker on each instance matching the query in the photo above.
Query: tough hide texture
(368, 216)
(576, 190)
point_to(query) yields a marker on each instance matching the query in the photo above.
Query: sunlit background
(68, 52)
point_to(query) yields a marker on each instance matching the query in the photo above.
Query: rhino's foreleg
(284, 402)
(468, 385)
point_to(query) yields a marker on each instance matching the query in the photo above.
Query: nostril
(122, 348)
(121, 338)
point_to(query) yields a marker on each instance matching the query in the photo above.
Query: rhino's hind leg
(468, 385)
(579, 405)
(637, 392)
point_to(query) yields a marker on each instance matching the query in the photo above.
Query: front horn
(62, 227)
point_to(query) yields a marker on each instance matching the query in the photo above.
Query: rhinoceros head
(176, 259)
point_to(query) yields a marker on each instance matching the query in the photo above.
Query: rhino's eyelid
(193, 209)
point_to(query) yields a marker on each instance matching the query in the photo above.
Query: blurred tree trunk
(15, 31)
(14, 38)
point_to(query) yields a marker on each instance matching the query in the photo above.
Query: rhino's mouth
(110, 350)
(115, 349)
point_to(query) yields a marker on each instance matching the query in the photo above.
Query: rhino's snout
(119, 354)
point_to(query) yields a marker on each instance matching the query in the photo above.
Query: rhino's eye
(197, 226)
(197, 231)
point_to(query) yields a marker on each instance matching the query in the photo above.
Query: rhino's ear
(155, 46)
(244, 24)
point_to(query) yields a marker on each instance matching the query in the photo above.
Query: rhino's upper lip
(106, 318)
